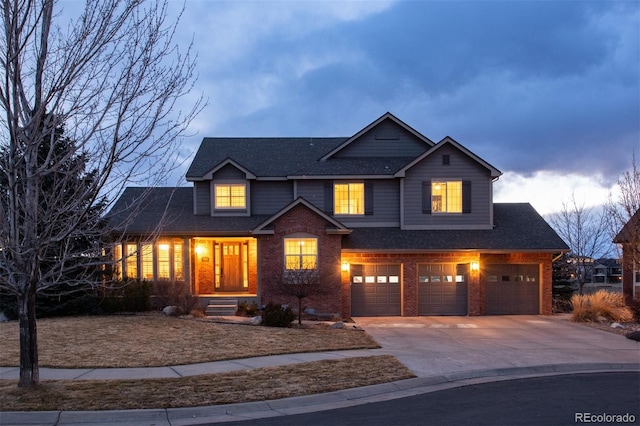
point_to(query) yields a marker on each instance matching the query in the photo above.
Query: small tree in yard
(584, 229)
(110, 80)
(301, 284)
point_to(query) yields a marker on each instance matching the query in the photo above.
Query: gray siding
(386, 140)
(202, 197)
(229, 172)
(269, 197)
(461, 167)
(386, 202)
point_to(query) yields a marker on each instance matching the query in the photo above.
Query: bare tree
(301, 284)
(621, 209)
(585, 231)
(112, 78)
(624, 213)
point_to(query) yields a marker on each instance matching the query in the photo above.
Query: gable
(455, 151)
(386, 137)
(334, 226)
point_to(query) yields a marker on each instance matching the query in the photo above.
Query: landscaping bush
(601, 304)
(126, 296)
(274, 315)
(247, 310)
(166, 293)
(562, 293)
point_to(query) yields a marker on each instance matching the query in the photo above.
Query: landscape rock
(616, 325)
(634, 335)
(337, 325)
(255, 320)
(171, 311)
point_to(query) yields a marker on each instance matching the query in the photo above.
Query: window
(230, 196)
(132, 261)
(117, 261)
(348, 198)
(163, 262)
(178, 265)
(147, 262)
(446, 197)
(300, 253)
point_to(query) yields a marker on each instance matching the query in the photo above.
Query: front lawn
(154, 340)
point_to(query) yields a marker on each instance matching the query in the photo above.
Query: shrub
(175, 294)
(127, 296)
(248, 310)
(590, 307)
(274, 315)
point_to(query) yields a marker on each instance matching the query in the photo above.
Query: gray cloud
(527, 85)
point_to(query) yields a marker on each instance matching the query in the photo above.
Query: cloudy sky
(546, 91)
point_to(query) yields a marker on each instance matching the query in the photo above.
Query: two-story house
(393, 223)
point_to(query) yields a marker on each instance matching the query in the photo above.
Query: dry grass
(152, 340)
(602, 304)
(251, 385)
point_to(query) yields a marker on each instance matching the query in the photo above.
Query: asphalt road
(596, 398)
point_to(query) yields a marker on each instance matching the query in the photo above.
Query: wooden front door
(231, 270)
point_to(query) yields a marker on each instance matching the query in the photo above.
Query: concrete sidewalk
(443, 352)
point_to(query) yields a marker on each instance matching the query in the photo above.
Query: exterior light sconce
(344, 266)
(475, 266)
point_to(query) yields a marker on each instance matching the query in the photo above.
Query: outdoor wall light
(345, 266)
(475, 266)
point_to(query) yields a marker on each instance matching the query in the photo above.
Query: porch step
(221, 307)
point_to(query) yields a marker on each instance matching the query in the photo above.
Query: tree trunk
(29, 369)
(299, 310)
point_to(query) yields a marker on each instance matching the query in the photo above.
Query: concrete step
(221, 307)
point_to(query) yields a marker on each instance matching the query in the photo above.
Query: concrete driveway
(440, 345)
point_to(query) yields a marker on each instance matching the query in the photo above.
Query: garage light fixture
(345, 266)
(475, 266)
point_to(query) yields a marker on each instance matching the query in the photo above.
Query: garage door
(375, 290)
(442, 289)
(512, 289)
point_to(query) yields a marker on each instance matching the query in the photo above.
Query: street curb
(303, 404)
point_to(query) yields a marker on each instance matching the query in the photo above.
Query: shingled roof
(170, 211)
(265, 157)
(518, 227)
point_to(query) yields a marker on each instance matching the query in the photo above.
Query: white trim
(446, 227)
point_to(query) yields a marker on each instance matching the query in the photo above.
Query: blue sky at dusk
(546, 91)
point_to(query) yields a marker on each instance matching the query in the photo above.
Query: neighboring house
(629, 239)
(607, 271)
(394, 223)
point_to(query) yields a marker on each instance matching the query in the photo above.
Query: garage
(442, 289)
(375, 290)
(512, 289)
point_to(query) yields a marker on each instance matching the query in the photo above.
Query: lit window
(163, 261)
(300, 253)
(446, 197)
(132, 261)
(349, 198)
(147, 262)
(230, 196)
(178, 265)
(117, 261)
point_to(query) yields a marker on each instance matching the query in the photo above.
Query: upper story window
(446, 197)
(348, 198)
(230, 196)
(300, 253)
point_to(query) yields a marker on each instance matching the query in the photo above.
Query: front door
(231, 268)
